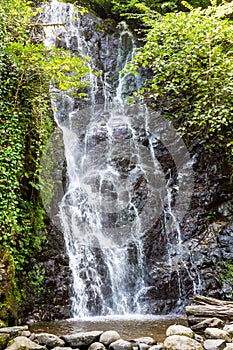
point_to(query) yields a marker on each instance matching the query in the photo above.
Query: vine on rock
(26, 70)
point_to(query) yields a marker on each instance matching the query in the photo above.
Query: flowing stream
(116, 187)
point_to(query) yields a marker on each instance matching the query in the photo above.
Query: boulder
(26, 334)
(214, 344)
(4, 338)
(141, 346)
(120, 344)
(24, 343)
(199, 338)
(49, 340)
(228, 328)
(179, 330)
(146, 340)
(229, 346)
(14, 331)
(82, 338)
(158, 347)
(209, 322)
(215, 333)
(63, 348)
(97, 346)
(109, 337)
(181, 342)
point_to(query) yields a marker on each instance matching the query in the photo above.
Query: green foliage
(227, 276)
(190, 56)
(36, 278)
(26, 70)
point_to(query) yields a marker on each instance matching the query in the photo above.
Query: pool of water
(129, 327)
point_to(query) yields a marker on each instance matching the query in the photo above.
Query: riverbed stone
(199, 338)
(4, 338)
(24, 343)
(81, 338)
(14, 331)
(109, 337)
(26, 334)
(229, 346)
(64, 348)
(214, 344)
(49, 340)
(215, 333)
(141, 346)
(181, 342)
(120, 344)
(179, 330)
(158, 347)
(145, 340)
(229, 329)
(97, 346)
(209, 322)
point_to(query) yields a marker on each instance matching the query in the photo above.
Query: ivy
(27, 69)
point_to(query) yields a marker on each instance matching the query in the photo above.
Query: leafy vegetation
(126, 8)
(190, 56)
(26, 70)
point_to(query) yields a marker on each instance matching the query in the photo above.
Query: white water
(116, 188)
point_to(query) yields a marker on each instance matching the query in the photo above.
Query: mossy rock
(2, 324)
(4, 338)
(8, 291)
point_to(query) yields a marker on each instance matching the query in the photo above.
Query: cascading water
(116, 189)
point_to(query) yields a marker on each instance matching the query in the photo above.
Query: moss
(9, 295)
(4, 338)
(2, 324)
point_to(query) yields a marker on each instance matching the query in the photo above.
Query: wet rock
(109, 337)
(120, 345)
(181, 342)
(49, 340)
(97, 346)
(214, 344)
(4, 338)
(209, 322)
(82, 338)
(179, 330)
(215, 333)
(20, 343)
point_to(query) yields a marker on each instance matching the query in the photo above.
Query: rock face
(206, 229)
(8, 304)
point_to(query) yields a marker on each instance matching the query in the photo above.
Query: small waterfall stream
(116, 187)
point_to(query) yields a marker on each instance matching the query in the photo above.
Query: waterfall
(116, 186)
